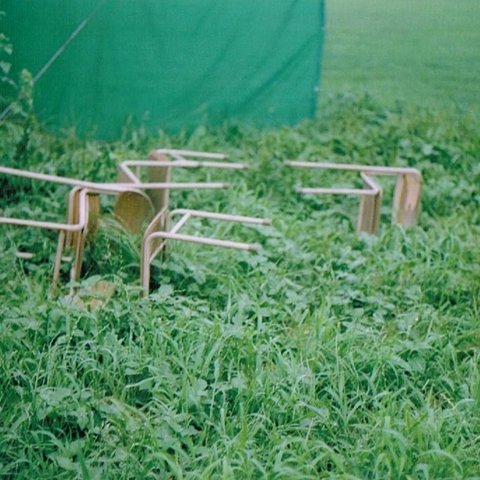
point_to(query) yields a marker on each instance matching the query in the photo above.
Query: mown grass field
(424, 52)
(326, 355)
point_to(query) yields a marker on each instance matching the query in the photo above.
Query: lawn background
(424, 52)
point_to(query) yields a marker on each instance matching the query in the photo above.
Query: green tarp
(169, 64)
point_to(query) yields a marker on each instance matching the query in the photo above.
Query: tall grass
(326, 355)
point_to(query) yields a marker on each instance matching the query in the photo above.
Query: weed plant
(326, 355)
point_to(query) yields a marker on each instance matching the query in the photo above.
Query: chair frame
(406, 202)
(157, 234)
(159, 169)
(75, 230)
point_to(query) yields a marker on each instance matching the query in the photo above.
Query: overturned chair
(406, 201)
(160, 168)
(159, 232)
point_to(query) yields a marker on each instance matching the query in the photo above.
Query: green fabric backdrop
(170, 64)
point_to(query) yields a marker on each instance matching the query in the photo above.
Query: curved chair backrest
(133, 209)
